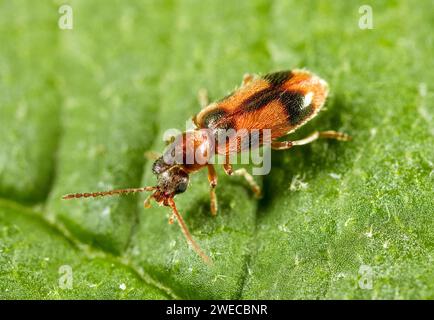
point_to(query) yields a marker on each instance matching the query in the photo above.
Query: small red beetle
(280, 102)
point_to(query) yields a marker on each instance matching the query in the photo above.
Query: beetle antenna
(106, 193)
(187, 234)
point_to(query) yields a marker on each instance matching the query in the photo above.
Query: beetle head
(172, 179)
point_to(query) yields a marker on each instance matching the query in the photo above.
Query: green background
(79, 108)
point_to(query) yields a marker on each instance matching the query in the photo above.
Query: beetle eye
(181, 187)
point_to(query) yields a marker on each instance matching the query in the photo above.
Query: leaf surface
(79, 108)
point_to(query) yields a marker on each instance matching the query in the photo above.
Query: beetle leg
(152, 155)
(212, 178)
(147, 202)
(202, 96)
(283, 145)
(249, 178)
(247, 78)
(187, 234)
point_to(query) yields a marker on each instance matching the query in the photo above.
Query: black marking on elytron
(218, 119)
(293, 102)
(276, 79)
(225, 124)
(260, 99)
(213, 117)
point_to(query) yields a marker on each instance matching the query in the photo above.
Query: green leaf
(79, 108)
(29, 100)
(33, 257)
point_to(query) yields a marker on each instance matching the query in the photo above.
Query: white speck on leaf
(283, 228)
(106, 212)
(122, 286)
(135, 251)
(369, 234)
(296, 260)
(423, 89)
(219, 277)
(297, 183)
(348, 221)
(335, 175)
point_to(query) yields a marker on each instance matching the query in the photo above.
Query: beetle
(280, 102)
